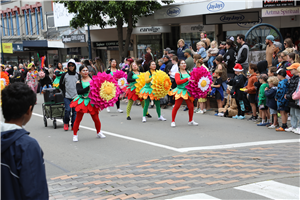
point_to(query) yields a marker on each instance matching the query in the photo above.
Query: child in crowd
(212, 51)
(201, 104)
(217, 88)
(284, 63)
(201, 49)
(251, 90)
(294, 108)
(279, 60)
(262, 103)
(230, 108)
(272, 71)
(270, 93)
(282, 102)
(296, 97)
(291, 58)
(237, 83)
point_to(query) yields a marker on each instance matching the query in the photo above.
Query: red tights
(178, 103)
(78, 119)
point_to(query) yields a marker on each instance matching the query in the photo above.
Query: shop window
(191, 39)
(152, 41)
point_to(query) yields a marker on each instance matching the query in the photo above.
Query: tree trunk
(128, 36)
(120, 37)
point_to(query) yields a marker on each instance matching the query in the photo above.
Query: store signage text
(7, 48)
(73, 38)
(232, 18)
(152, 29)
(249, 24)
(215, 6)
(172, 12)
(278, 3)
(109, 44)
(199, 28)
(280, 12)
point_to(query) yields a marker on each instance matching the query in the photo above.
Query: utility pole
(89, 43)
(2, 55)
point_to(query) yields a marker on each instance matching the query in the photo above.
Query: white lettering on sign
(280, 12)
(152, 29)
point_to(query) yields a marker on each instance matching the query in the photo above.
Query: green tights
(146, 106)
(129, 105)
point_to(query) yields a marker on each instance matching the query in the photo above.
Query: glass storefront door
(152, 41)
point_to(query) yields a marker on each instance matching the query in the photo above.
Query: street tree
(114, 13)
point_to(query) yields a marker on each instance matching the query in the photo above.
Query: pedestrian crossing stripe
(272, 190)
(268, 189)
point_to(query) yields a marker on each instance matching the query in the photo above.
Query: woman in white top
(172, 73)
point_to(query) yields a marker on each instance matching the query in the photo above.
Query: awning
(35, 43)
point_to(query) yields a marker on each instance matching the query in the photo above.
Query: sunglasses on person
(284, 43)
(71, 65)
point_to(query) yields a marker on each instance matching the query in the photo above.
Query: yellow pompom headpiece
(161, 84)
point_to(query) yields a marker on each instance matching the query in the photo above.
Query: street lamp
(1, 45)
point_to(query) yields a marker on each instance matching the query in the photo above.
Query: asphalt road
(63, 155)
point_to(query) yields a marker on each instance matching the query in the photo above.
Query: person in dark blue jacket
(270, 93)
(180, 51)
(23, 173)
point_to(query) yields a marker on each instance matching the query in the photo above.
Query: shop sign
(107, 44)
(250, 24)
(73, 38)
(17, 47)
(152, 29)
(172, 12)
(215, 6)
(278, 3)
(280, 12)
(196, 28)
(7, 48)
(231, 18)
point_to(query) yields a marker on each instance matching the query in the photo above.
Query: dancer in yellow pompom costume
(161, 84)
(4, 81)
(152, 85)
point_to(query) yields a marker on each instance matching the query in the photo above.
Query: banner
(7, 48)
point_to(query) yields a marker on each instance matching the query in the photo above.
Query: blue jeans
(68, 112)
(295, 117)
(210, 61)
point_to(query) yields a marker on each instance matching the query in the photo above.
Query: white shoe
(161, 118)
(144, 119)
(101, 135)
(196, 110)
(291, 129)
(75, 138)
(295, 130)
(173, 124)
(298, 131)
(204, 110)
(192, 123)
(120, 111)
(289, 118)
(107, 109)
(272, 126)
(200, 112)
(221, 114)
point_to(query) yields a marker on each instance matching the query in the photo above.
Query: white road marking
(272, 190)
(188, 149)
(200, 196)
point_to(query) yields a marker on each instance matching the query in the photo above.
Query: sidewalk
(181, 173)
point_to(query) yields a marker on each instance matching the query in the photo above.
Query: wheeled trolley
(53, 111)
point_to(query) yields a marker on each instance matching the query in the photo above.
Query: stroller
(53, 106)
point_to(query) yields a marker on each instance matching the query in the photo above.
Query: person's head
(229, 43)
(218, 72)
(166, 50)
(293, 68)
(50, 66)
(273, 81)
(139, 62)
(199, 62)
(83, 71)
(129, 61)
(187, 53)
(20, 66)
(291, 57)
(281, 74)
(283, 55)
(196, 57)
(174, 60)
(181, 65)
(160, 62)
(270, 40)
(71, 65)
(222, 45)
(59, 66)
(219, 59)
(203, 34)
(214, 44)
(18, 101)
(31, 67)
(272, 71)
(113, 63)
(166, 58)
(152, 65)
(263, 78)
(252, 68)
(240, 38)
(238, 69)
(279, 58)
(148, 50)
(180, 43)
(171, 53)
(288, 43)
(15, 68)
(86, 63)
(200, 45)
(134, 67)
(2, 67)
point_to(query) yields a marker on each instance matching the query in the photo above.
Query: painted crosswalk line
(272, 190)
(197, 196)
